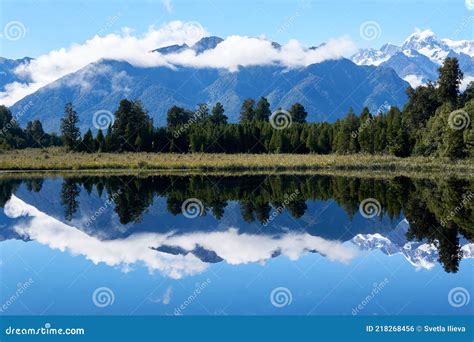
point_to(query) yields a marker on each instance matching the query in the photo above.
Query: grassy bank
(58, 159)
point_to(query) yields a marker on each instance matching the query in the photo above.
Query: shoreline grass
(57, 159)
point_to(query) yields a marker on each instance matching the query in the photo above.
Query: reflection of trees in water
(69, 192)
(425, 203)
(427, 208)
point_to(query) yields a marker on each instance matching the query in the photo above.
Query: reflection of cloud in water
(232, 247)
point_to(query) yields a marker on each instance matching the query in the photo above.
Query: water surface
(245, 245)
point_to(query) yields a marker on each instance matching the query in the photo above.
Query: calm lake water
(240, 245)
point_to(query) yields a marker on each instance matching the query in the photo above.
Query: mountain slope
(7, 74)
(326, 89)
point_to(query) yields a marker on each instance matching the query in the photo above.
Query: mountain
(7, 74)
(326, 89)
(419, 57)
(202, 45)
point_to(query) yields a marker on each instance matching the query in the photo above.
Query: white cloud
(414, 80)
(230, 245)
(238, 51)
(233, 52)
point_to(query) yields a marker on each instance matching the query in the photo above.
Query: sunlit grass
(59, 159)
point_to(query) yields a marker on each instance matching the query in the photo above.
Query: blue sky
(56, 24)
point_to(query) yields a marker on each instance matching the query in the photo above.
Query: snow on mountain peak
(418, 58)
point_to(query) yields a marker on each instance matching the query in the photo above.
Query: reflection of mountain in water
(237, 222)
(151, 248)
(418, 253)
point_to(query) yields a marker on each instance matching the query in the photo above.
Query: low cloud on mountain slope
(233, 52)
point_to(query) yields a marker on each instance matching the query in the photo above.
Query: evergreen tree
(100, 141)
(202, 113)
(298, 113)
(450, 77)
(262, 110)
(35, 134)
(217, 114)
(397, 137)
(247, 112)
(69, 130)
(365, 132)
(177, 116)
(344, 141)
(88, 143)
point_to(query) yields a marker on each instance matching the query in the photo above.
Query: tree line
(435, 121)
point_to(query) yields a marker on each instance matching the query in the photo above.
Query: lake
(235, 245)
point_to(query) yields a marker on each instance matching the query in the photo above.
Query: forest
(435, 121)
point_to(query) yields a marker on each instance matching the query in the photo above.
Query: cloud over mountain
(126, 46)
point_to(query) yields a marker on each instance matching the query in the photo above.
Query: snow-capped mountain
(420, 254)
(420, 55)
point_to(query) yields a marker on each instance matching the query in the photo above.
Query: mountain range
(375, 78)
(417, 60)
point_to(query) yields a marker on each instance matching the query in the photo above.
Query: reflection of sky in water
(147, 281)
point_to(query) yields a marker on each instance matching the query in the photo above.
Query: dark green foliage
(177, 116)
(298, 113)
(69, 130)
(365, 134)
(262, 110)
(247, 111)
(217, 115)
(88, 142)
(450, 77)
(397, 137)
